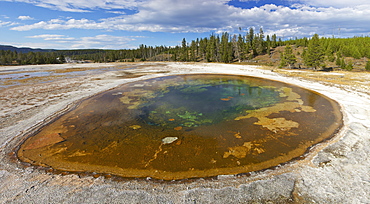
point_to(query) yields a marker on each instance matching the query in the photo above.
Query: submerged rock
(135, 127)
(169, 140)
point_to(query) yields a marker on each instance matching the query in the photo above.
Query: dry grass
(358, 81)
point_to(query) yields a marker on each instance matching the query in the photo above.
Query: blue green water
(205, 103)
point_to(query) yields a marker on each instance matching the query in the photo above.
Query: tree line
(224, 47)
(215, 48)
(8, 57)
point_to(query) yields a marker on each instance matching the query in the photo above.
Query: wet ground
(335, 171)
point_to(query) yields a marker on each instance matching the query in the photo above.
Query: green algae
(194, 89)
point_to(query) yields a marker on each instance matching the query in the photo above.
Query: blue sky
(125, 24)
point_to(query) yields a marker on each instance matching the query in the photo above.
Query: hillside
(23, 49)
(274, 60)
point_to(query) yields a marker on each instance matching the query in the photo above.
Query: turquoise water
(205, 102)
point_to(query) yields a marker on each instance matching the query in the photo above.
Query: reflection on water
(185, 126)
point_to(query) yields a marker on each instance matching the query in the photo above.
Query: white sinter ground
(336, 171)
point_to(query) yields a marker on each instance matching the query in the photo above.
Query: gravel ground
(336, 171)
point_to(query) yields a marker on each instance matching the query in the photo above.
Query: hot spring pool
(185, 126)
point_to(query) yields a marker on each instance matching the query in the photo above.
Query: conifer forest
(314, 52)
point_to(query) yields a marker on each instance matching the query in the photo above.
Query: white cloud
(3, 23)
(82, 5)
(216, 16)
(7, 23)
(155, 15)
(52, 37)
(99, 41)
(117, 12)
(25, 18)
(58, 24)
(336, 3)
(104, 42)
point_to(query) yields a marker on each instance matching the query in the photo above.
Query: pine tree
(260, 43)
(282, 60)
(193, 51)
(268, 45)
(184, 54)
(250, 37)
(225, 48)
(355, 52)
(241, 48)
(367, 66)
(338, 62)
(288, 58)
(274, 42)
(343, 64)
(211, 49)
(349, 66)
(218, 49)
(330, 55)
(314, 56)
(236, 48)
